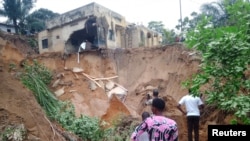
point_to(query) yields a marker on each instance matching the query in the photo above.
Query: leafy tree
(35, 22)
(168, 36)
(156, 26)
(225, 61)
(189, 23)
(16, 10)
(216, 11)
(184, 25)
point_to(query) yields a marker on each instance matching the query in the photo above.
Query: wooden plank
(106, 78)
(91, 79)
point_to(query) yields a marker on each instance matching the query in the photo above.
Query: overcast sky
(135, 11)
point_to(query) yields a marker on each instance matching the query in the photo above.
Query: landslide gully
(139, 70)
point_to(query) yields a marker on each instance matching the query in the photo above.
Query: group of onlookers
(157, 127)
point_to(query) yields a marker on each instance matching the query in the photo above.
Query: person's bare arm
(201, 108)
(179, 107)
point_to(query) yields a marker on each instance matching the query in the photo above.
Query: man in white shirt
(193, 105)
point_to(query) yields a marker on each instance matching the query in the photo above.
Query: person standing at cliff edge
(193, 105)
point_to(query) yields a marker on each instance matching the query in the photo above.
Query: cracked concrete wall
(117, 24)
(60, 28)
(73, 15)
(69, 22)
(57, 37)
(138, 37)
(92, 9)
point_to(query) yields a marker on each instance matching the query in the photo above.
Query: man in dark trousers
(193, 105)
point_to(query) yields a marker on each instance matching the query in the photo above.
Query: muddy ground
(137, 70)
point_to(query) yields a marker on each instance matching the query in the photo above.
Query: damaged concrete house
(95, 26)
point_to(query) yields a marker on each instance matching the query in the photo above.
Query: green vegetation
(123, 127)
(84, 127)
(35, 22)
(13, 132)
(33, 43)
(220, 34)
(168, 36)
(16, 10)
(225, 50)
(12, 66)
(36, 77)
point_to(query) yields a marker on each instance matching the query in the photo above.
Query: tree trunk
(15, 25)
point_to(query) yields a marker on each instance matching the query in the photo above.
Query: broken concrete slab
(56, 83)
(60, 75)
(77, 70)
(117, 91)
(110, 85)
(92, 85)
(59, 92)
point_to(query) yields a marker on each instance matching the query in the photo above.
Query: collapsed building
(95, 26)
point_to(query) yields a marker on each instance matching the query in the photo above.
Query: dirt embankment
(18, 106)
(136, 70)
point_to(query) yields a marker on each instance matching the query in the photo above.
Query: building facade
(7, 28)
(96, 26)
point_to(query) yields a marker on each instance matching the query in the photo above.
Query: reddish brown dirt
(117, 107)
(138, 70)
(18, 106)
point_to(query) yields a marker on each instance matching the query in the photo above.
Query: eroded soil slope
(88, 82)
(18, 107)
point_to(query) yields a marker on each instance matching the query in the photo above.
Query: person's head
(189, 91)
(201, 95)
(158, 106)
(155, 92)
(145, 115)
(148, 96)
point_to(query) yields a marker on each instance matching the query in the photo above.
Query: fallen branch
(91, 79)
(76, 75)
(38, 125)
(67, 135)
(51, 127)
(89, 76)
(107, 78)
